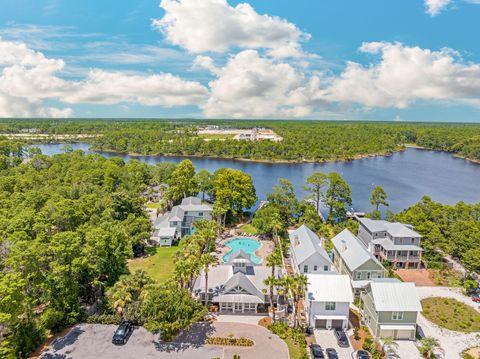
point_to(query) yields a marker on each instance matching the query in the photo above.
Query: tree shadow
(194, 337)
(60, 343)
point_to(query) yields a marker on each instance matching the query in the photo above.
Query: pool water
(248, 245)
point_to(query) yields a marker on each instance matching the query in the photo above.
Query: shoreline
(240, 159)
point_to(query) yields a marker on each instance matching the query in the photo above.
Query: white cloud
(102, 87)
(434, 7)
(28, 80)
(213, 25)
(404, 75)
(253, 86)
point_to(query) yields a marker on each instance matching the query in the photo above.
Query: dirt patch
(358, 340)
(474, 352)
(48, 341)
(265, 322)
(421, 277)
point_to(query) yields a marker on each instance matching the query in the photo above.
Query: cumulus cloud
(403, 75)
(214, 26)
(434, 7)
(28, 80)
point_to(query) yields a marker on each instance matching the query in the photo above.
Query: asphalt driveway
(94, 341)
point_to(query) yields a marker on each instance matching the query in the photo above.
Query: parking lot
(326, 339)
(95, 341)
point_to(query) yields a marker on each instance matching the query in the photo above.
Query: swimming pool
(248, 245)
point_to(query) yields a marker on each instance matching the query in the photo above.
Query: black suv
(122, 333)
(317, 352)
(342, 339)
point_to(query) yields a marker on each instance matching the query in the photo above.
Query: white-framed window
(329, 305)
(358, 275)
(369, 275)
(200, 214)
(305, 268)
(315, 268)
(325, 268)
(397, 315)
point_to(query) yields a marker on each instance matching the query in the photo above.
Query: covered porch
(238, 303)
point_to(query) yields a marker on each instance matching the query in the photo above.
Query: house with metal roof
(236, 286)
(179, 221)
(327, 300)
(390, 309)
(351, 257)
(307, 253)
(392, 241)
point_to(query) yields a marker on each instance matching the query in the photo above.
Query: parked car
(476, 298)
(419, 333)
(342, 339)
(122, 333)
(362, 354)
(317, 352)
(331, 353)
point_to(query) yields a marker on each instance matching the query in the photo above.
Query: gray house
(392, 241)
(236, 286)
(351, 257)
(390, 309)
(180, 219)
(308, 256)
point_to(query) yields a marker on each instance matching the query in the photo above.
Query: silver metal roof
(352, 250)
(395, 296)
(304, 243)
(331, 287)
(395, 229)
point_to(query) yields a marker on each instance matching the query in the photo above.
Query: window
(329, 305)
(325, 268)
(397, 315)
(305, 269)
(358, 275)
(369, 275)
(413, 240)
(200, 214)
(315, 268)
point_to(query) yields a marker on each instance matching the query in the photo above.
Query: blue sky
(332, 59)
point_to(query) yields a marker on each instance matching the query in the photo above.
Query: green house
(351, 257)
(390, 308)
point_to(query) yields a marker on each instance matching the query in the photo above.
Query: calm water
(247, 245)
(406, 176)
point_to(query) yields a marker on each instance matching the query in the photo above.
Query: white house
(236, 286)
(307, 253)
(179, 221)
(327, 300)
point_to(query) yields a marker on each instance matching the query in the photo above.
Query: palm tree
(271, 281)
(429, 345)
(298, 286)
(206, 261)
(273, 259)
(389, 346)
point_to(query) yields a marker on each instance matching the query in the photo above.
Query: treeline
(446, 229)
(68, 224)
(302, 140)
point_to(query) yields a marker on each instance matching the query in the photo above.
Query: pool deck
(266, 247)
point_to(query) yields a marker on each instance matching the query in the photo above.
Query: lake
(405, 176)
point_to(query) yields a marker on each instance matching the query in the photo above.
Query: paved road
(94, 341)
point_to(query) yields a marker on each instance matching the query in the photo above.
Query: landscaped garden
(451, 314)
(158, 265)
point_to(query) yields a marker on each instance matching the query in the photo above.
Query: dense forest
(302, 140)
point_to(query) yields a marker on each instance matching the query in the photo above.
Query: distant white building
(327, 300)
(179, 221)
(393, 241)
(307, 253)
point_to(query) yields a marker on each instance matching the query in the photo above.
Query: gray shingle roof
(305, 243)
(396, 229)
(352, 250)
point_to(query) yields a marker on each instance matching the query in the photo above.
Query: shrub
(53, 320)
(104, 319)
(241, 342)
(279, 328)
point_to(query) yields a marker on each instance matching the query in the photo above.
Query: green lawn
(293, 349)
(159, 265)
(451, 314)
(153, 205)
(248, 228)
